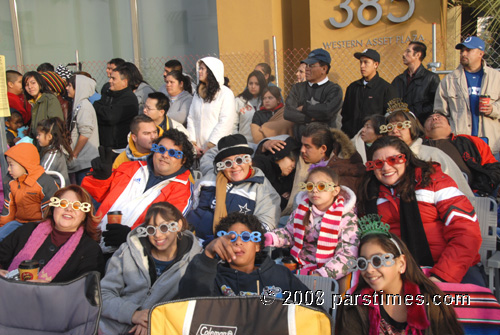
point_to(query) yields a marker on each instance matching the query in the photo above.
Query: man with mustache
(416, 85)
(459, 94)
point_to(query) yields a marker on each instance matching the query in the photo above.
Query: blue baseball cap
(318, 55)
(471, 42)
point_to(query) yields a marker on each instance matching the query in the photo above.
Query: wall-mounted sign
(385, 40)
(365, 4)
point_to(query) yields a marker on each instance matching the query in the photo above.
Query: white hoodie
(210, 121)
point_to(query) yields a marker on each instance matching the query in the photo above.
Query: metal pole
(135, 33)
(3, 113)
(77, 63)
(434, 65)
(434, 43)
(276, 61)
(17, 35)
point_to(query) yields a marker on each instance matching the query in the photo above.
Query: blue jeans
(8, 228)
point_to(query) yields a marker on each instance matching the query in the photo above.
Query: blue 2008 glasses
(246, 236)
(171, 152)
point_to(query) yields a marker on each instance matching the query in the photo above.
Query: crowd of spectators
(202, 181)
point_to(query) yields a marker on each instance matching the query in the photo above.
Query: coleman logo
(205, 329)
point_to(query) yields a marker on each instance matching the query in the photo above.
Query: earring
(179, 235)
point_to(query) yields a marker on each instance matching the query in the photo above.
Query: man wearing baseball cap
(316, 99)
(366, 96)
(472, 155)
(460, 92)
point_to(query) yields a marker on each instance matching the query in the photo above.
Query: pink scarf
(35, 241)
(416, 315)
(328, 234)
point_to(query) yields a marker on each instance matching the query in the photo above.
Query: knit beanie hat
(55, 82)
(63, 71)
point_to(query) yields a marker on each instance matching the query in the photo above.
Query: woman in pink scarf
(65, 244)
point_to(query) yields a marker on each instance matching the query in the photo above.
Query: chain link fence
(344, 70)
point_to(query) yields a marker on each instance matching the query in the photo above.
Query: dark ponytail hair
(185, 80)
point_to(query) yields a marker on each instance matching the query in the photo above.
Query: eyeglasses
(164, 228)
(321, 186)
(379, 163)
(312, 65)
(246, 236)
(171, 152)
(149, 109)
(227, 164)
(393, 126)
(376, 261)
(76, 205)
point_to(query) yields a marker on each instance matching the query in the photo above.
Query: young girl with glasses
(388, 271)
(146, 270)
(322, 231)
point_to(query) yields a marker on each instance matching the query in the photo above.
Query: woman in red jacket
(425, 208)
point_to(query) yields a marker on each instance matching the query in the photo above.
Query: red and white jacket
(449, 221)
(124, 191)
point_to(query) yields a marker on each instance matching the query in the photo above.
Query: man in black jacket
(317, 99)
(416, 85)
(366, 96)
(116, 109)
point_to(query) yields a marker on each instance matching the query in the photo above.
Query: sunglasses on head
(321, 186)
(76, 205)
(376, 261)
(228, 163)
(393, 126)
(246, 236)
(379, 163)
(164, 228)
(171, 152)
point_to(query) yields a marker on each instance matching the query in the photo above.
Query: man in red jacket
(134, 186)
(472, 155)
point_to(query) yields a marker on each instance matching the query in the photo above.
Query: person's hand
(141, 318)
(223, 247)
(315, 274)
(300, 108)
(115, 234)
(486, 109)
(286, 195)
(434, 279)
(272, 145)
(4, 273)
(199, 151)
(38, 281)
(139, 330)
(102, 166)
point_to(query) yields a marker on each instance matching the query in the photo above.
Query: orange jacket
(27, 196)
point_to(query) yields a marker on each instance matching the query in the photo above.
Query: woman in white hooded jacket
(212, 113)
(82, 125)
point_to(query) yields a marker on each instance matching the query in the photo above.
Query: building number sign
(371, 3)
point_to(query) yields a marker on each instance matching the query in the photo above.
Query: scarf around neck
(220, 197)
(35, 241)
(328, 234)
(417, 320)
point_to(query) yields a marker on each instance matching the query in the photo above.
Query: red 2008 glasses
(379, 163)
